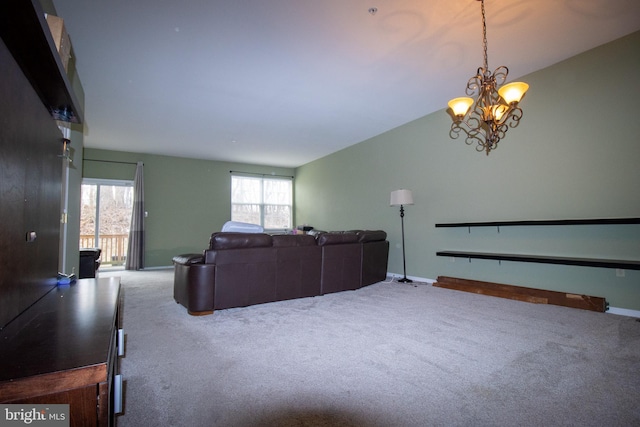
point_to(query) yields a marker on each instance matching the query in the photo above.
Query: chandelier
(486, 119)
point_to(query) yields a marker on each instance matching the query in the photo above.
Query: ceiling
(285, 82)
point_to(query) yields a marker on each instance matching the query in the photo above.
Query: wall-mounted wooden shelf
(25, 32)
(593, 221)
(584, 262)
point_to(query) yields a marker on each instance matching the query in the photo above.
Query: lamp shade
(498, 111)
(513, 92)
(401, 197)
(460, 106)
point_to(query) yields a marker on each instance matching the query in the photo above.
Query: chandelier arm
(474, 133)
(499, 132)
(500, 75)
(512, 117)
(475, 83)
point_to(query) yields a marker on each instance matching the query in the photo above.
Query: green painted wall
(186, 199)
(576, 154)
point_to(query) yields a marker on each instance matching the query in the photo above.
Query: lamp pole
(404, 262)
(400, 198)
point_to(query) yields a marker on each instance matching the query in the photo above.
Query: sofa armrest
(188, 259)
(194, 284)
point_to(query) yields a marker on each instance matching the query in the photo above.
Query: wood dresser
(64, 349)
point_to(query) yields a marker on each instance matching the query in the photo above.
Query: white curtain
(135, 250)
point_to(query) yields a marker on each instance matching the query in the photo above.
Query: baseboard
(414, 278)
(161, 267)
(624, 312)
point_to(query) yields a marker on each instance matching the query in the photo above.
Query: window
(262, 200)
(105, 218)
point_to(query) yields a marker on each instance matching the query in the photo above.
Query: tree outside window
(262, 200)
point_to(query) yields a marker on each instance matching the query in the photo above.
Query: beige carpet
(386, 355)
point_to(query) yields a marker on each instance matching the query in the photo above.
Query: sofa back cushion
(225, 240)
(365, 236)
(291, 240)
(337, 238)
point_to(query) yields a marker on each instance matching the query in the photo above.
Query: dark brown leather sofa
(242, 269)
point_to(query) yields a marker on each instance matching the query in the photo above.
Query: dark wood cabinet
(65, 349)
(58, 344)
(34, 89)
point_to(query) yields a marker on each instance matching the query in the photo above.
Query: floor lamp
(400, 198)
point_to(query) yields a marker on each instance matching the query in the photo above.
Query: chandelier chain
(484, 37)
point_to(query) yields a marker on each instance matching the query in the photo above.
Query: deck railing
(113, 247)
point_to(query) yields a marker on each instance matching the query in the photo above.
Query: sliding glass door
(105, 218)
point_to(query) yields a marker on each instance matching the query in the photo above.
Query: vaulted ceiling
(284, 82)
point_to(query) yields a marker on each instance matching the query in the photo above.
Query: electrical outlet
(619, 272)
